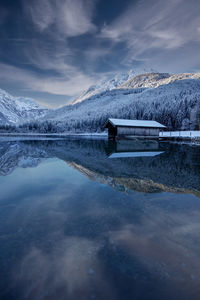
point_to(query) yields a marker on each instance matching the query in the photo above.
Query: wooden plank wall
(137, 131)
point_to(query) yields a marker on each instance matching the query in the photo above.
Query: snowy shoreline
(192, 137)
(180, 134)
(49, 136)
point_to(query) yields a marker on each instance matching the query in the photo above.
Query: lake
(95, 219)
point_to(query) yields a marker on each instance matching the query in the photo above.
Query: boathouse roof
(134, 123)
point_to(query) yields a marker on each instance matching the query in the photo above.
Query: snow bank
(186, 134)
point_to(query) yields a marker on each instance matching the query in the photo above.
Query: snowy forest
(179, 113)
(175, 104)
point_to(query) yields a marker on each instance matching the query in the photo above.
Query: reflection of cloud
(71, 269)
(165, 245)
(74, 237)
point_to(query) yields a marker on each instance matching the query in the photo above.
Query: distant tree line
(180, 111)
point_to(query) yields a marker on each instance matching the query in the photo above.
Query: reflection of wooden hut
(135, 154)
(136, 128)
(132, 148)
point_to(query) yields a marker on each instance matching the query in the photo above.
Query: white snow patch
(135, 154)
(187, 134)
(136, 123)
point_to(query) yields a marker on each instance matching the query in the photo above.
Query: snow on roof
(134, 123)
(135, 154)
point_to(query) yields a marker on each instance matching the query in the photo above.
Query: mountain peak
(153, 80)
(131, 81)
(105, 85)
(16, 110)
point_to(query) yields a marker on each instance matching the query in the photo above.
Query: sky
(53, 50)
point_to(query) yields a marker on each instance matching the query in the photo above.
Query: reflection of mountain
(13, 155)
(177, 169)
(139, 185)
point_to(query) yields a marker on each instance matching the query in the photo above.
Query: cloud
(47, 62)
(62, 85)
(152, 26)
(94, 53)
(67, 17)
(64, 51)
(46, 57)
(48, 68)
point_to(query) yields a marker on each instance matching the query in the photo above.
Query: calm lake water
(86, 219)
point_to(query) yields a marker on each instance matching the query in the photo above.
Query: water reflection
(146, 166)
(65, 235)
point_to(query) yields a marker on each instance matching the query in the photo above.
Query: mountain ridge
(104, 86)
(15, 110)
(131, 81)
(173, 100)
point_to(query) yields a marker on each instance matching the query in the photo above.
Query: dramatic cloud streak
(155, 26)
(61, 47)
(70, 86)
(68, 17)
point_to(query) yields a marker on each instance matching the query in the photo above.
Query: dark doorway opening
(112, 132)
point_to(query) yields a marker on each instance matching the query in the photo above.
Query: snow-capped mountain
(105, 86)
(154, 80)
(173, 100)
(15, 110)
(130, 81)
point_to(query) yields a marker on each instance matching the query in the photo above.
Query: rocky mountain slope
(105, 86)
(173, 100)
(15, 110)
(154, 80)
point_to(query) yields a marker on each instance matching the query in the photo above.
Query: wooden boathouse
(133, 128)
